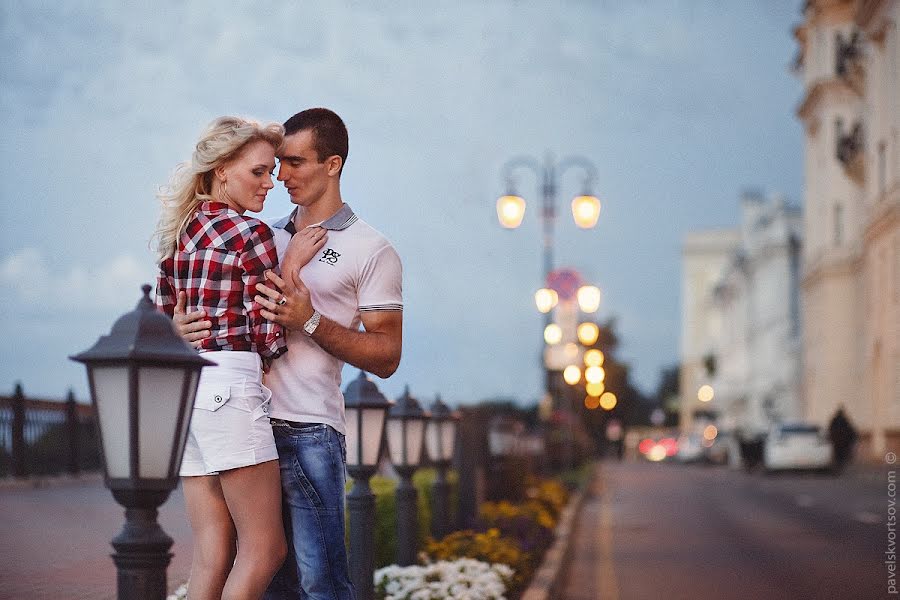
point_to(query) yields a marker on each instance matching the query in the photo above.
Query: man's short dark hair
(329, 132)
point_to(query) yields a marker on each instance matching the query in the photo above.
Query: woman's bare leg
(253, 495)
(214, 536)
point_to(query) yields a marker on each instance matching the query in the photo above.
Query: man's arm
(376, 350)
(192, 326)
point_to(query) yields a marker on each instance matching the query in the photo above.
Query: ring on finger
(283, 301)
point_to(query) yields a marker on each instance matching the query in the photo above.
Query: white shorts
(230, 422)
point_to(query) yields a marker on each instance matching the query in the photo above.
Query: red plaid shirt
(220, 259)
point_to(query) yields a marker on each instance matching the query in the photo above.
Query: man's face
(304, 176)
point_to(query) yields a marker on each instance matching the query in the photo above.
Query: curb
(33, 483)
(545, 583)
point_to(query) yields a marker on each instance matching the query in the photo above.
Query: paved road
(688, 532)
(54, 541)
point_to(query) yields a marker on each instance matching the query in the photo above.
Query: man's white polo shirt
(358, 270)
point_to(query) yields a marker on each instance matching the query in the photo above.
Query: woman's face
(248, 177)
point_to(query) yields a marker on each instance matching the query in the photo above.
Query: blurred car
(796, 446)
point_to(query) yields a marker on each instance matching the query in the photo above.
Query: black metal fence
(46, 437)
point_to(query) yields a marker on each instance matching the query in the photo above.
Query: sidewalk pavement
(55, 539)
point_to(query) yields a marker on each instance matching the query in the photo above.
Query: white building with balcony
(849, 61)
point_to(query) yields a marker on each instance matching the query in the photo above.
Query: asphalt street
(672, 531)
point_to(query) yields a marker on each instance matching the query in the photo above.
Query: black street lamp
(365, 409)
(440, 437)
(143, 379)
(406, 438)
(503, 442)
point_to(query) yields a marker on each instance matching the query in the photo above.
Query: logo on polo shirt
(329, 256)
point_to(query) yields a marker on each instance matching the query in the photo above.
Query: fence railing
(46, 437)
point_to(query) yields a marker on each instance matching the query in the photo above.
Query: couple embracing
(278, 309)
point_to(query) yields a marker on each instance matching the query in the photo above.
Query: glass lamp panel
(415, 441)
(193, 379)
(111, 397)
(433, 439)
(159, 402)
(448, 439)
(373, 426)
(395, 441)
(351, 415)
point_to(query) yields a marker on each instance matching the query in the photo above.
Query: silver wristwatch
(309, 327)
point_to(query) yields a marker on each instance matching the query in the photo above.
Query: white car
(796, 446)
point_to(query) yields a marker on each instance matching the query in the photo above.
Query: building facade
(849, 62)
(705, 255)
(757, 352)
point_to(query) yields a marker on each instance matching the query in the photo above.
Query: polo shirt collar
(342, 219)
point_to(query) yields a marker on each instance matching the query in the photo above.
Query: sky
(679, 106)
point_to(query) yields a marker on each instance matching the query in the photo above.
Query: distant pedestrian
(843, 438)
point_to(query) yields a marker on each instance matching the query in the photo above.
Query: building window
(838, 224)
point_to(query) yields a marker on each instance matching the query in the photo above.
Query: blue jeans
(313, 474)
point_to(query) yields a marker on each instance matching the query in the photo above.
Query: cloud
(32, 286)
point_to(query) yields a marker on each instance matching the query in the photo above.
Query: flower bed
(461, 578)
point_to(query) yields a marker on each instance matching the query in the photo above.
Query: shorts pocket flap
(212, 397)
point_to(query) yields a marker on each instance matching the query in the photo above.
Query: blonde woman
(212, 256)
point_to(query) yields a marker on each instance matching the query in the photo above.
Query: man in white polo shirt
(354, 279)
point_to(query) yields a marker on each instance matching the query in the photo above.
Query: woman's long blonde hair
(191, 182)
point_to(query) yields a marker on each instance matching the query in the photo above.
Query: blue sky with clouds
(679, 105)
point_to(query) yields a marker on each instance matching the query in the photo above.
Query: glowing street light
(572, 374)
(710, 432)
(586, 211)
(591, 402)
(593, 358)
(608, 401)
(589, 298)
(594, 374)
(595, 389)
(588, 333)
(552, 334)
(705, 393)
(546, 299)
(510, 210)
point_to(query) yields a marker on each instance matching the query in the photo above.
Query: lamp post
(585, 212)
(365, 409)
(440, 436)
(143, 379)
(406, 438)
(502, 442)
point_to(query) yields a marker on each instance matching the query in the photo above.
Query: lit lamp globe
(588, 333)
(510, 210)
(552, 334)
(705, 393)
(593, 358)
(594, 374)
(591, 402)
(608, 401)
(589, 297)
(586, 211)
(546, 299)
(594, 389)
(572, 374)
